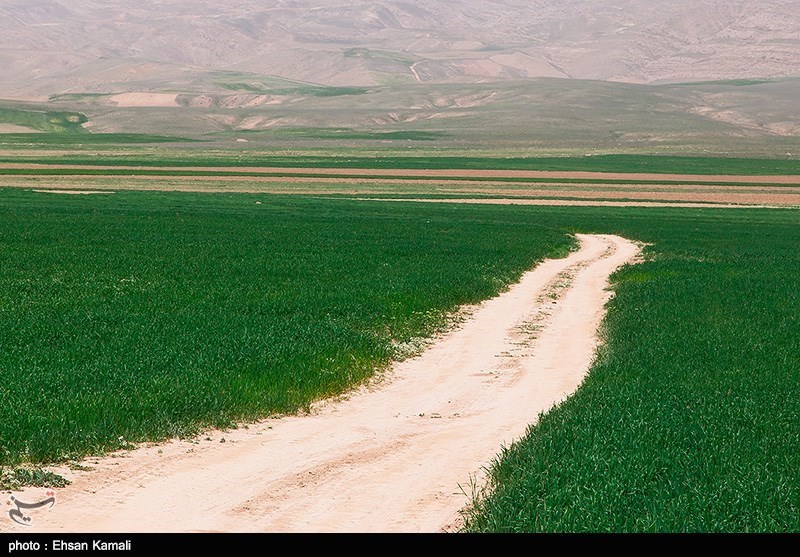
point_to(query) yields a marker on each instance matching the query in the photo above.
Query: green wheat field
(145, 315)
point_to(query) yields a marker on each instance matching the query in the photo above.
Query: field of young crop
(141, 315)
(144, 315)
(626, 163)
(79, 140)
(690, 419)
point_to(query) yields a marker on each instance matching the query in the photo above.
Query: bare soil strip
(664, 194)
(485, 186)
(73, 192)
(398, 455)
(11, 128)
(139, 99)
(580, 203)
(668, 195)
(428, 173)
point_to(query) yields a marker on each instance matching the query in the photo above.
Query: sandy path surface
(399, 455)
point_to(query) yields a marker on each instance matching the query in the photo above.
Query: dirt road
(399, 455)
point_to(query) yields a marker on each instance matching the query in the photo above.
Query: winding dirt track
(400, 455)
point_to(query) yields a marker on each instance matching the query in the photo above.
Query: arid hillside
(88, 46)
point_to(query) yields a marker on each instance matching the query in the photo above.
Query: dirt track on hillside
(399, 455)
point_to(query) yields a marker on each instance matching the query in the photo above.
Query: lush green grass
(53, 122)
(690, 419)
(601, 163)
(144, 315)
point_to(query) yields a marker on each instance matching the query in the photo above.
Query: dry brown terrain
(73, 192)
(12, 128)
(139, 99)
(117, 46)
(400, 455)
(653, 190)
(574, 203)
(685, 77)
(446, 173)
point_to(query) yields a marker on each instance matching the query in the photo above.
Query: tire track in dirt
(399, 455)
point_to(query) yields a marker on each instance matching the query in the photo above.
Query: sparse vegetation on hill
(44, 121)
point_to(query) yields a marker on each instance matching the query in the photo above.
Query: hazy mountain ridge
(50, 46)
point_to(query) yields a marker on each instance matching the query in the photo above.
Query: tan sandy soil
(72, 192)
(678, 197)
(575, 203)
(673, 193)
(11, 128)
(533, 67)
(523, 188)
(399, 455)
(140, 100)
(487, 186)
(447, 173)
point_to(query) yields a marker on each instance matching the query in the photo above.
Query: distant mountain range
(50, 47)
